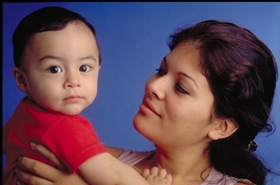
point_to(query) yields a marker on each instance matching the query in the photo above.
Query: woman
(211, 96)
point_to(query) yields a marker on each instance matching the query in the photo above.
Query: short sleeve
(73, 140)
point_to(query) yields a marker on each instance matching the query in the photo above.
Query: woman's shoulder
(244, 182)
(220, 179)
(114, 151)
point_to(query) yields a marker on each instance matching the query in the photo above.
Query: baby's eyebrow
(90, 57)
(50, 57)
(53, 57)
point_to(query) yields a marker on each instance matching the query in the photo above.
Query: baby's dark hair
(45, 19)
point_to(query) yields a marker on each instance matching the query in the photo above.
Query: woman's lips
(148, 108)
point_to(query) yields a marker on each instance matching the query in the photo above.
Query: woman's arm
(33, 172)
(116, 152)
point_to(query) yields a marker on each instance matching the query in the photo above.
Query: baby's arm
(33, 172)
(105, 169)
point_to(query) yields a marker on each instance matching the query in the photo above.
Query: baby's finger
(168, 178)
(145, 173)
(154, 171)
(162, 172)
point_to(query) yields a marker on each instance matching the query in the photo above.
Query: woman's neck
(184, 166)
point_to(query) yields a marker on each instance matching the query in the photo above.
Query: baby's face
(61, 69)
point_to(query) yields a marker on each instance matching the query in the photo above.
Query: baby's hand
(157, 176)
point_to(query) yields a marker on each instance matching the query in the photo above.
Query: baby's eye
(54, 69)
(85, 68)
(160, 72)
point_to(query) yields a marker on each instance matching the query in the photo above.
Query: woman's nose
(156, 86)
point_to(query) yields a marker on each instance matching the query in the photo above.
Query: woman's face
(177, 106)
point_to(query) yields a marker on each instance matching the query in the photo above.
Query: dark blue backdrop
(132, 37)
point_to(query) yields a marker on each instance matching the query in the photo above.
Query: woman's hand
(46, 153)
(33, 172)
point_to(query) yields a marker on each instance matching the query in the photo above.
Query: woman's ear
(20, 79)
(223, 128)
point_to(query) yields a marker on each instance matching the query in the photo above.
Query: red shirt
(71, 138)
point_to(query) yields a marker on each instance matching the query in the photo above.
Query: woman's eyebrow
(164, 60)
(183, 74)
(189, 77)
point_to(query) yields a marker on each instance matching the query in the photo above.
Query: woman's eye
(180, 89)
(55, 69)
(160, 71)
(85, 68)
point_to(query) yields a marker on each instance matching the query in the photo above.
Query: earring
(252, 146)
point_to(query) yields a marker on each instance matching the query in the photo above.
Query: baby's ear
(20, 79)
(223, 128)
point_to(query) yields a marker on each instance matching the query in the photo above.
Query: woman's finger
(34, 172)
(30, 179)
(43, 170)
(46, 153)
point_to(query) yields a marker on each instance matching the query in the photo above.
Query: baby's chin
(71, 111)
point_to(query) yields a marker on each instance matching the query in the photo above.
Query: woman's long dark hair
(242, 74)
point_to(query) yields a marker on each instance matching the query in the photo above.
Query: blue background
(132, 37)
